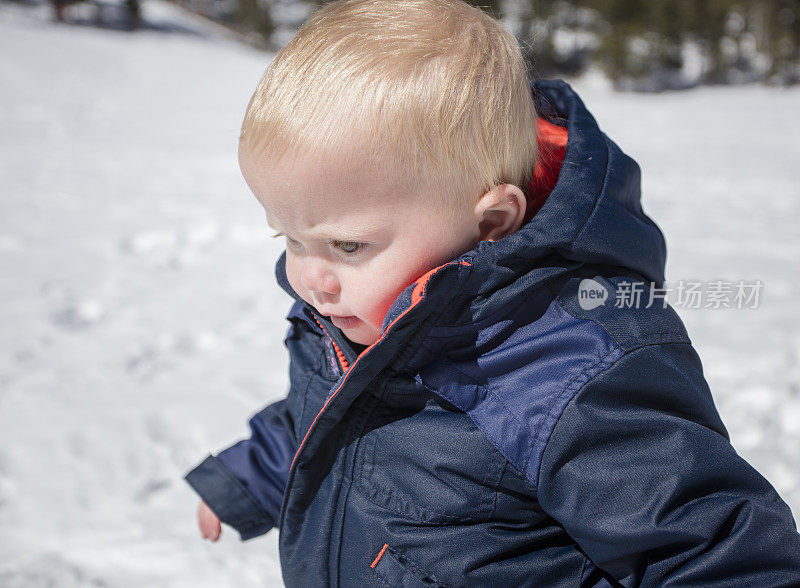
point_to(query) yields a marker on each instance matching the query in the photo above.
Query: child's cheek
(387, 298)
(293, 277)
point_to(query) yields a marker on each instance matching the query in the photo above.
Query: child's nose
(317, 278)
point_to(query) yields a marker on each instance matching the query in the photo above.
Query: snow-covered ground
(141, 324)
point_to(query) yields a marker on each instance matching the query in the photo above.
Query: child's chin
(363, 334)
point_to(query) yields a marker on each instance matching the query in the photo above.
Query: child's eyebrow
(347, 232)
(335, 233)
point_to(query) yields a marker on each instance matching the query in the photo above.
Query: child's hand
(208, 522)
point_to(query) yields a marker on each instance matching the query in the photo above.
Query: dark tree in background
(644, 44)
(639, 44)
(252, 15)
(641, 39)
(781, 37)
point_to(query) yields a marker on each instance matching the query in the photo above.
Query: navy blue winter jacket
(498, 434)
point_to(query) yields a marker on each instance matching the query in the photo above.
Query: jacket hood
(594, 213)
(592, 216)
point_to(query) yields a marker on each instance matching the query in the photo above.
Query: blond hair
(437, 86)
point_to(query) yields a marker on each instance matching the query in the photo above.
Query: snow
(142, 324)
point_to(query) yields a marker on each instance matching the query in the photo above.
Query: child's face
(356, 234)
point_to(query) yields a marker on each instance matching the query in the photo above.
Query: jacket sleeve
(244, 484)
(639, 471)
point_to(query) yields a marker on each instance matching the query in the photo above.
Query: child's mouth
(344, 322)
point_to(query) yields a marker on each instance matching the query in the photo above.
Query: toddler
(460, 411)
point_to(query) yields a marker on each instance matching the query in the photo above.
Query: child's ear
(500, 212)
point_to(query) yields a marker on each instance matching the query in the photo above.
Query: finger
(211, 527)
(204, 519)
(216, 531)
(209, 523)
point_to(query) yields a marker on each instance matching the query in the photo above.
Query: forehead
(303, 189)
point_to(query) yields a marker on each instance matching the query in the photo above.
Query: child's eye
(347, 246)
(289, 241)
(288, 238)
